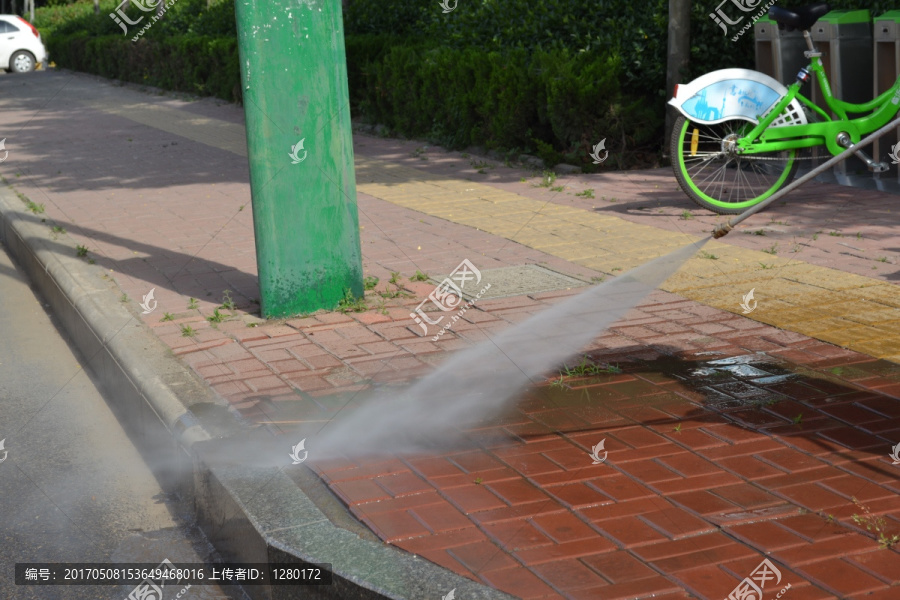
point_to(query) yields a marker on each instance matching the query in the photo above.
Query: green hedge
(556, 103)
(551, 77)
(201, 65)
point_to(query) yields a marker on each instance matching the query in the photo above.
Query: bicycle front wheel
(719, 179)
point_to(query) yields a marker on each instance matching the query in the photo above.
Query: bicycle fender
(728, 94)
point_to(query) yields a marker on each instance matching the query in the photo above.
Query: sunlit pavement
(708, 469)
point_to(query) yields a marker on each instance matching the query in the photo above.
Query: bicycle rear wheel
(719, 179)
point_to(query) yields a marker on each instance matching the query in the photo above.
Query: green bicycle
(740, 131)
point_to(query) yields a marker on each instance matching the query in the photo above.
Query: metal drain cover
(517, 281)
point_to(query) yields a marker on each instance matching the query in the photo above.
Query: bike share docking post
(722, 229)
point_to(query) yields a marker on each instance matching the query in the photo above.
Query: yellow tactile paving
(842, 308)
(211, 132)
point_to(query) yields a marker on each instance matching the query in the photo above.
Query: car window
(7, 27)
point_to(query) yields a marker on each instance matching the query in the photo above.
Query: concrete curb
(250, 514)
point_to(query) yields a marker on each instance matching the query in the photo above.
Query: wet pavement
(712, 461)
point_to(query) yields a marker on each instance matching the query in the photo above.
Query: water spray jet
(478, 383)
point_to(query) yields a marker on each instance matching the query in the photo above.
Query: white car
(21, 48)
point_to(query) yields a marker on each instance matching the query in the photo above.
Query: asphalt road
(73, 488)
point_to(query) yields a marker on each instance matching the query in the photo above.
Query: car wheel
(22, 62)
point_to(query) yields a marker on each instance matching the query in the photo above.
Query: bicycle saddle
(798, 18)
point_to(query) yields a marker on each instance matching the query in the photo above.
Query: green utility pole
(302, 180)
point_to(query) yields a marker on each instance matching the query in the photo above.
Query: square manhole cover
(509, 281)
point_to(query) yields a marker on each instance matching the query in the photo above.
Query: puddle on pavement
(721, 383)
(593, 397)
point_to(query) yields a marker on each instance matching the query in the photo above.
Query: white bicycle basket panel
(735, 94)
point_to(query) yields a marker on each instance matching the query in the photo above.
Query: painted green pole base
(299, 140)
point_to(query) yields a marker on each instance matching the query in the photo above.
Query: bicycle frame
(789, 137)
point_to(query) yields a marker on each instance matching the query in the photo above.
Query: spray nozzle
(721, 230)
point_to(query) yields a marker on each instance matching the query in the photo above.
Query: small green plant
(58, 229)
(370, 282)
(686, 215)
(588, 193)
(798, 419)
(478, 480)
(677, 428)
(597, 279)
(465, 155)
(419, 276)
(765, 266)
(91, 261)
(858, 235)
(193, 304)
(81, 251)
(816, 235)
(875, 524)
(227, 301)
(216, 317)
(557, 188)
(829, 518)
(759, 232)
(419, 153)
(168, 317)
(836, 370)
(709, 255)
(559, 383)
(614, 269)
(187, 331)
(350, 303)
(586, 367)
(547, 179)
(773, 249)
(835, 234)
(883, 259)
(35, 208)
(123, 297)
(523, 179)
